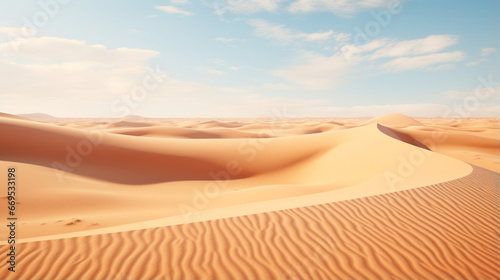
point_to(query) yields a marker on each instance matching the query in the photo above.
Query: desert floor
(390, 197)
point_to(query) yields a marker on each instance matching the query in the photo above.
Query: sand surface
(385, 197)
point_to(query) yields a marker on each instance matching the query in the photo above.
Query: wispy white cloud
(423, 61)
(271, 31)
(282, 34)
(484, 53)
(321, 72)
(318, 36)
(472, 63)
(430, 44)
(339, 7)
(317, 72)
(425, 53)
(48, 49)
(173, 10)
(488, 51)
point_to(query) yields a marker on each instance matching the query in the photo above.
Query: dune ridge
(446, 230)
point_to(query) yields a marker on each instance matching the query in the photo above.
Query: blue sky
(235, 58)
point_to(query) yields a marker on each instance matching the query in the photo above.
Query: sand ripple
(442, 231)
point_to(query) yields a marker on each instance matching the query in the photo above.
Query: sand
(388, 197)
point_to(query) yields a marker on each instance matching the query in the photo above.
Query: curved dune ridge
(442, 231)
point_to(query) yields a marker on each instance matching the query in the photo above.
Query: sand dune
(254, 199)
(395, 120)
(186, 133)
(480, 150)
(442, 231)
(163, 176)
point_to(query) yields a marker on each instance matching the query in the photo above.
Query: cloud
(423, 61)
(173, 10)
(430, 44)
(487, 51)
(49, 49)
(342, 37)
(408, 54)
(484, 52)
(317, 36)
(282, 34)
(328, 72)
(272, 31)
(472, 63)
(339, 7)
(59, 72)
(317, 72)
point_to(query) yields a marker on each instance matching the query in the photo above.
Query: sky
(253, 58)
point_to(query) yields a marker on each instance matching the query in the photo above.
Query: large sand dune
(254, 199)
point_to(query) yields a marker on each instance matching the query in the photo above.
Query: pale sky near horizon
(254, 58)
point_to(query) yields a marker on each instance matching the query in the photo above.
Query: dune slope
(442, 231)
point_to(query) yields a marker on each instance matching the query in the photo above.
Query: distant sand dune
(187, 133)
(473, 148)
(442, 231)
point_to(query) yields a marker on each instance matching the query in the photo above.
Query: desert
(236, 199)
(249, 140)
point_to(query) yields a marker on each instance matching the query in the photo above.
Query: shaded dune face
(53, 146)
(401, 136)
